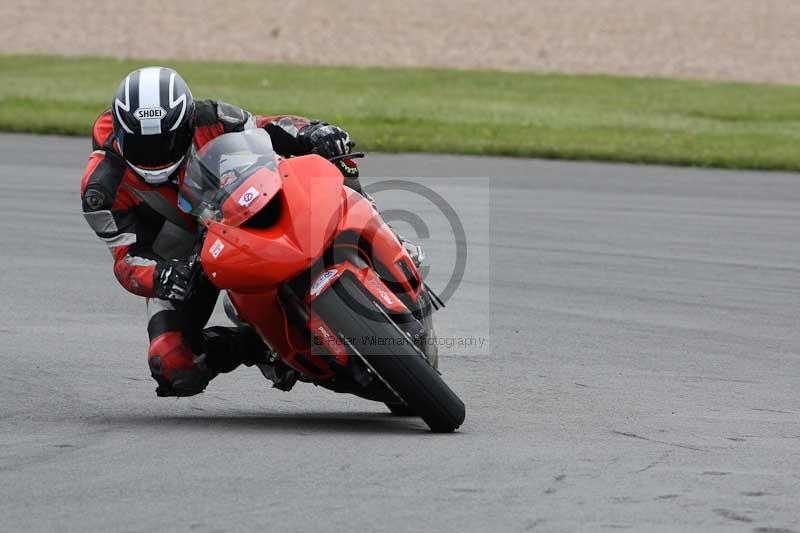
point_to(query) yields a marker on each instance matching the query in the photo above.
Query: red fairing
(324, 339)
(251, 197)
(254, 260)
(369, 280)
(360, 217)
(253, 264)
(380, 291)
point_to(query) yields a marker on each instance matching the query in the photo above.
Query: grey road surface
(640, 368)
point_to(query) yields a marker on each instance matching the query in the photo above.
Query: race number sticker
(216, 248)
(248, 197)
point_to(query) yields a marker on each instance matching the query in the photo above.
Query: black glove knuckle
(172, 279)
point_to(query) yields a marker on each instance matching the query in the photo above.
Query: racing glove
(329, 141)
(326, 140)
(171, 280)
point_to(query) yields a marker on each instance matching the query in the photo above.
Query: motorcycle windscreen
(231, 177)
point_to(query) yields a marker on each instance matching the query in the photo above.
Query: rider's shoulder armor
(102, 184)
(106, 169)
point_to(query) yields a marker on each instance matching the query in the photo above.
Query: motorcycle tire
(399, 364)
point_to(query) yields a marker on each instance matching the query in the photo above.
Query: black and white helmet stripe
(178, 100)
(152, 101)
(123, 107)
(150, 111)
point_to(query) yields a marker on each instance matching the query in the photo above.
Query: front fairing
(244, 258)
(250, 197)
(231, 178)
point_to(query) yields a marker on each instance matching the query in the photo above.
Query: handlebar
(354, 155)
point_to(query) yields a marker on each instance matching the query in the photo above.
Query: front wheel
(385, 349)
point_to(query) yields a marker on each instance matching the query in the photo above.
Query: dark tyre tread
(399, 364)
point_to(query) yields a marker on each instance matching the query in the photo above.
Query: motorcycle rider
(129, 197)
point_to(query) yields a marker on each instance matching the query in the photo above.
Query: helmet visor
(156, 152)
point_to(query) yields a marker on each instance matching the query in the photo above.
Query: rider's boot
(257, 353)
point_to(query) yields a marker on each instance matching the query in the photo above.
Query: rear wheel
(372, 335)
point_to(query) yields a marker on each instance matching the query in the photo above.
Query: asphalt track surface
(641, 368)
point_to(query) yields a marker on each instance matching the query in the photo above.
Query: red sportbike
(311, 266)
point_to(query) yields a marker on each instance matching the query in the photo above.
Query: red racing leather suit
(141, 224)
(119, 205)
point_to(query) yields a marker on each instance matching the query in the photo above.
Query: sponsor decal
(322, 281)
(146, 113)
(348, 166)
(375, 283)
(248, 197)
(216, 248)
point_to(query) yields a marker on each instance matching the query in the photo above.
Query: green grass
(641, 120)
